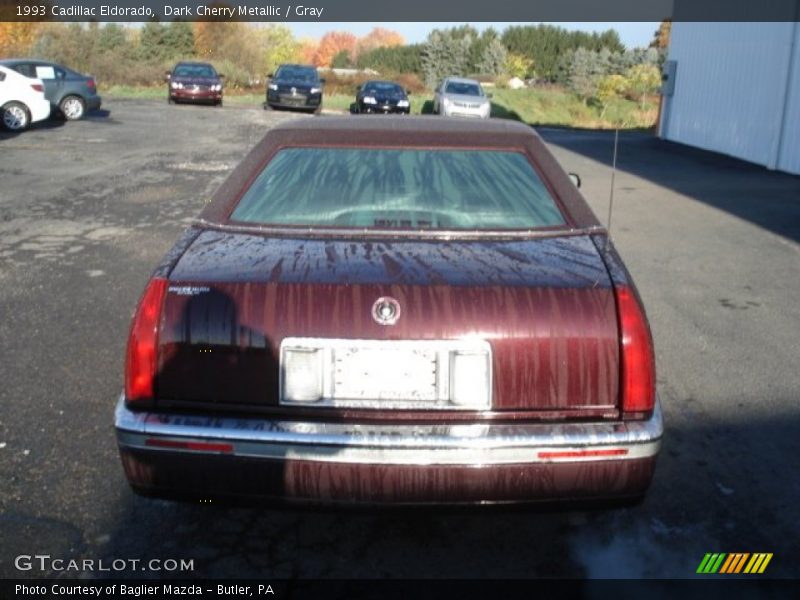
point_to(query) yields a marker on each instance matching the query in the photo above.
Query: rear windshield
(397, 189)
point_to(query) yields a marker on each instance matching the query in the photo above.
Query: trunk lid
(545, 306)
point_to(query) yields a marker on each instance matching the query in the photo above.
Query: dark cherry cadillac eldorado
(399, 310)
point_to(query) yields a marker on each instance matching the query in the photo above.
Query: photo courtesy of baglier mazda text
(342, 291)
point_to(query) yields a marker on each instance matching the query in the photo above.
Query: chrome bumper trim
(452, 444)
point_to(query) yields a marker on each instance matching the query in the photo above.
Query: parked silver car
(458, 97)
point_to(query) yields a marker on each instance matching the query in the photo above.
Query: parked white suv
(22, 100)
(458, 97)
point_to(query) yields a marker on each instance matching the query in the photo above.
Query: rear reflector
(38, 87)
(142, 355)
(569, 454)
(194, 446)
(637, 368)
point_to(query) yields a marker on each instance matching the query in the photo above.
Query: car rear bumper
(93, 102)
(203, 456)
(40, 109)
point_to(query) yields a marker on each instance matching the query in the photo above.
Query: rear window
(397, 189)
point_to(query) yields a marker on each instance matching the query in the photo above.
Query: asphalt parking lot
(88, 208)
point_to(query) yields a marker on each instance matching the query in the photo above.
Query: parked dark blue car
(70, 93)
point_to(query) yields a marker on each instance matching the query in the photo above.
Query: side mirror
(167, 76)
(408, 92)
(220, 75)
(576, 179)
(490, 96)
(322, 80)
(269, 75)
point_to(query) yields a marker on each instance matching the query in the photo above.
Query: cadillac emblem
(386, 311)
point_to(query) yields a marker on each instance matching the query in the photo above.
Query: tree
(342, 60)
(153, 42)
(378, 38)
(446, 53)
(517, 65)
(307, 50)
(331, 44)
(66, 44)
(610, 87)
(643, 79)
(661, 36)
(110, 38)
(278, 47)
(493, 60)
(179, 40)
(586, 71)
(16, 39)
(396, 59)
(547, 46)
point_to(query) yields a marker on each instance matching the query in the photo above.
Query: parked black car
(70, 93)
(295, 86)
(194, 82)
(381, 97)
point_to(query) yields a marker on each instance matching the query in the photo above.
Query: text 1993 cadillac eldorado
(402, 310)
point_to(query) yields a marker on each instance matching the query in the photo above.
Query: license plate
(385, 374)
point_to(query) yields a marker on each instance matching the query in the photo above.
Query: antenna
(613, 173)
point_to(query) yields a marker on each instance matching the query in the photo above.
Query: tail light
(141, 361)
(638, 365)
(91, 84)
(38, 87)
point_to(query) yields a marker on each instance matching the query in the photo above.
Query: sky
(633, 35)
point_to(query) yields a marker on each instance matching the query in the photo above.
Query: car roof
(342, 127)
(31, 61)
(407, 132)
(381, 81)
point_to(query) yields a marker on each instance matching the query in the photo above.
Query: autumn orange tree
(379, 38)
(331, 44)
(16, 37)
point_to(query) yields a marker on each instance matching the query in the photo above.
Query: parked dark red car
(399, 310)
(194, 82)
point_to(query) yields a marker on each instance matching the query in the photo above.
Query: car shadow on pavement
(50, 123)
(769, 199)
(100, 113)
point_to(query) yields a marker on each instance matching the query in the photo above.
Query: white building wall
(733, 93)
(789, 155)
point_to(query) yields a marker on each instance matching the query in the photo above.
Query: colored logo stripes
(737, 562)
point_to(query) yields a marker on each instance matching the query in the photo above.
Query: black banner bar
(399, 10)
(707, 588)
